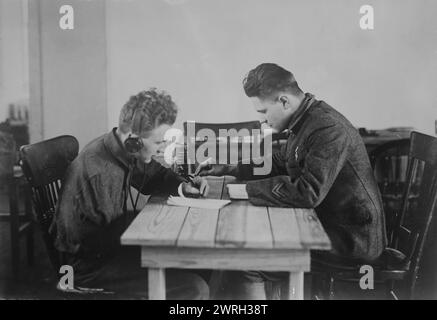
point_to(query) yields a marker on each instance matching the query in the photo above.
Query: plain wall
(14, 63)
(68, 70)
(200, 50)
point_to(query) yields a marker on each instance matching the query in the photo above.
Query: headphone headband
(135, 144)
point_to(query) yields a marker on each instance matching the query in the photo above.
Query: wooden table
(378, 137)
(240, 236)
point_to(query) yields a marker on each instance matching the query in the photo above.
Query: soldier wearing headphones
(91, 213)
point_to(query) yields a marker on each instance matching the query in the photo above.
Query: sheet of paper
(237, 191)
(197, 203)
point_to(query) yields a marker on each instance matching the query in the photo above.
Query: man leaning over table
(91, 213)
(324, 165)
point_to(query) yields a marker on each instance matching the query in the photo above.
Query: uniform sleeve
(325, 154)
(157, 179)
(246, 171)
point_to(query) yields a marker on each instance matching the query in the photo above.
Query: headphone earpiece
(133, 144)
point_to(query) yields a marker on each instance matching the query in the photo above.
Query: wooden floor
(32, 282)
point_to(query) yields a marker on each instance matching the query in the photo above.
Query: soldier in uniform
(92, 211)
(324, 165)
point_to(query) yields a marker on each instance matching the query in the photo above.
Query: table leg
(295, 289)
(156, 283)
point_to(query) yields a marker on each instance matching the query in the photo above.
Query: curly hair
(269, 78)
(146, 111)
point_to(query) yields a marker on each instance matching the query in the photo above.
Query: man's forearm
(232, 170)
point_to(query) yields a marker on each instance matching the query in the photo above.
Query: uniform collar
(114, 145)
(306, 103)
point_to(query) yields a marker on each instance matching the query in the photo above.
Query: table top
(237, 225)
(381, 136)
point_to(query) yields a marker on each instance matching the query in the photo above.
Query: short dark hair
(267, 79)
(146, 111)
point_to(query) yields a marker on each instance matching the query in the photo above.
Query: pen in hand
(195, 179)
(202, 165)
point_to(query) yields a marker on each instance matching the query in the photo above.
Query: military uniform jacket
(90, 215)
(324, 165)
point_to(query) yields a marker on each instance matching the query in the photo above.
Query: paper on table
(237, 191)
(197, 203)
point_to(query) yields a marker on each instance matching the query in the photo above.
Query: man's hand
(198, 187)
(217, 170)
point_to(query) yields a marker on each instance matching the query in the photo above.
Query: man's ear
(284, 100)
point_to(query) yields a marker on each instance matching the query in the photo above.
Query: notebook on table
(237, 191)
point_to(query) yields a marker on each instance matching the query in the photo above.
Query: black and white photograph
(239, 151)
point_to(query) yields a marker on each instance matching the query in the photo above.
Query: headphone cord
(134, 204)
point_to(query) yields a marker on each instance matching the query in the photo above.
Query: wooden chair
(44, 165)
(15, 186)
(400, 263)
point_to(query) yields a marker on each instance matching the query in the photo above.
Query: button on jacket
(325, 166)
(93, 195)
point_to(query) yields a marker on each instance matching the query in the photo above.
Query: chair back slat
(411, 173)
(403, 239)
(44, 165)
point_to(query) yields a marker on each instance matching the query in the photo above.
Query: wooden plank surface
(312, 234)
(237, 225)
(258, 231)
(229, 227)
(242, 225)
(156, 224)
(285, 230)
(199, 228)
(200, 225)
(226, 258)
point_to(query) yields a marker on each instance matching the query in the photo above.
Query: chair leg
(318, 288)
(29, 236)
(285, 290)
(30, 246)
(331, 285)
(15, 228)
(276, 290)
(216, 284)
(389, 291)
